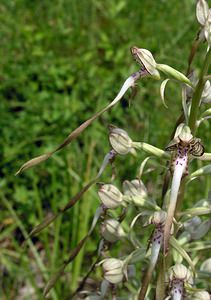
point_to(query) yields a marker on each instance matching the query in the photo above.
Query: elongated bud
(144, 58)
(202, 295)
(110, 196)
(171, 72)
(113, 270)
(111, 230)
(202, 11)
(134, 188)
(120, 140)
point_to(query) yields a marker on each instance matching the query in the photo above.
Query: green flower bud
(110, 196)
(203, 295)
(111, 230)
(120, 140)
(113, 270)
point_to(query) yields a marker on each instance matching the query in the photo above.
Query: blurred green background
(60, 62)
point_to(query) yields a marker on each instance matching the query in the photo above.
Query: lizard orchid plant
(161, 249)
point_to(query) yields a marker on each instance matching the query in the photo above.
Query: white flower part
(111, 230)
(177, 290)
(179, 169)
(179, 275)
(120, 140)
(157, 240)
(203, 14)
(180, 272)
(110, 196)
(113, 270)
(134, 188)
(206, 94)
(145, 58)
(202, 11)
(159, 218)
(202, 295)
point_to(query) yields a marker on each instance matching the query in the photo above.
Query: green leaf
(202, 171)
(174, 243)
(196, 211)
(162, 91)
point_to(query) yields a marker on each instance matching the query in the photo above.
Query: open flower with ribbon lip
(182, 145)
(179, 276)
(158, 219)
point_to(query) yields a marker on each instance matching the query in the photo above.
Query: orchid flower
(158, 219)
(179, 275)
(184, 144)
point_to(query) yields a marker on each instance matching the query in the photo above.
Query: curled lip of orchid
(193, 145)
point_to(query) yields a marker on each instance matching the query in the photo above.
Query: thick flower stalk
(184, 144)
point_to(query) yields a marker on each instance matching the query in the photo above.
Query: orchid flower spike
(183, 145)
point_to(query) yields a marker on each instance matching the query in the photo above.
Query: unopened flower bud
(180, 272)
(110, 196)
(113, 270)
(203, 295)
(111, 230)
(134, 188)
(159, 218)
(206, 266)
(120, 140)
(144, 58)
(202, 11)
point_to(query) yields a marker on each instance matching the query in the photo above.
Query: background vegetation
(61, 61)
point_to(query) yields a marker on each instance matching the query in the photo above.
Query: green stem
(198, 92)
